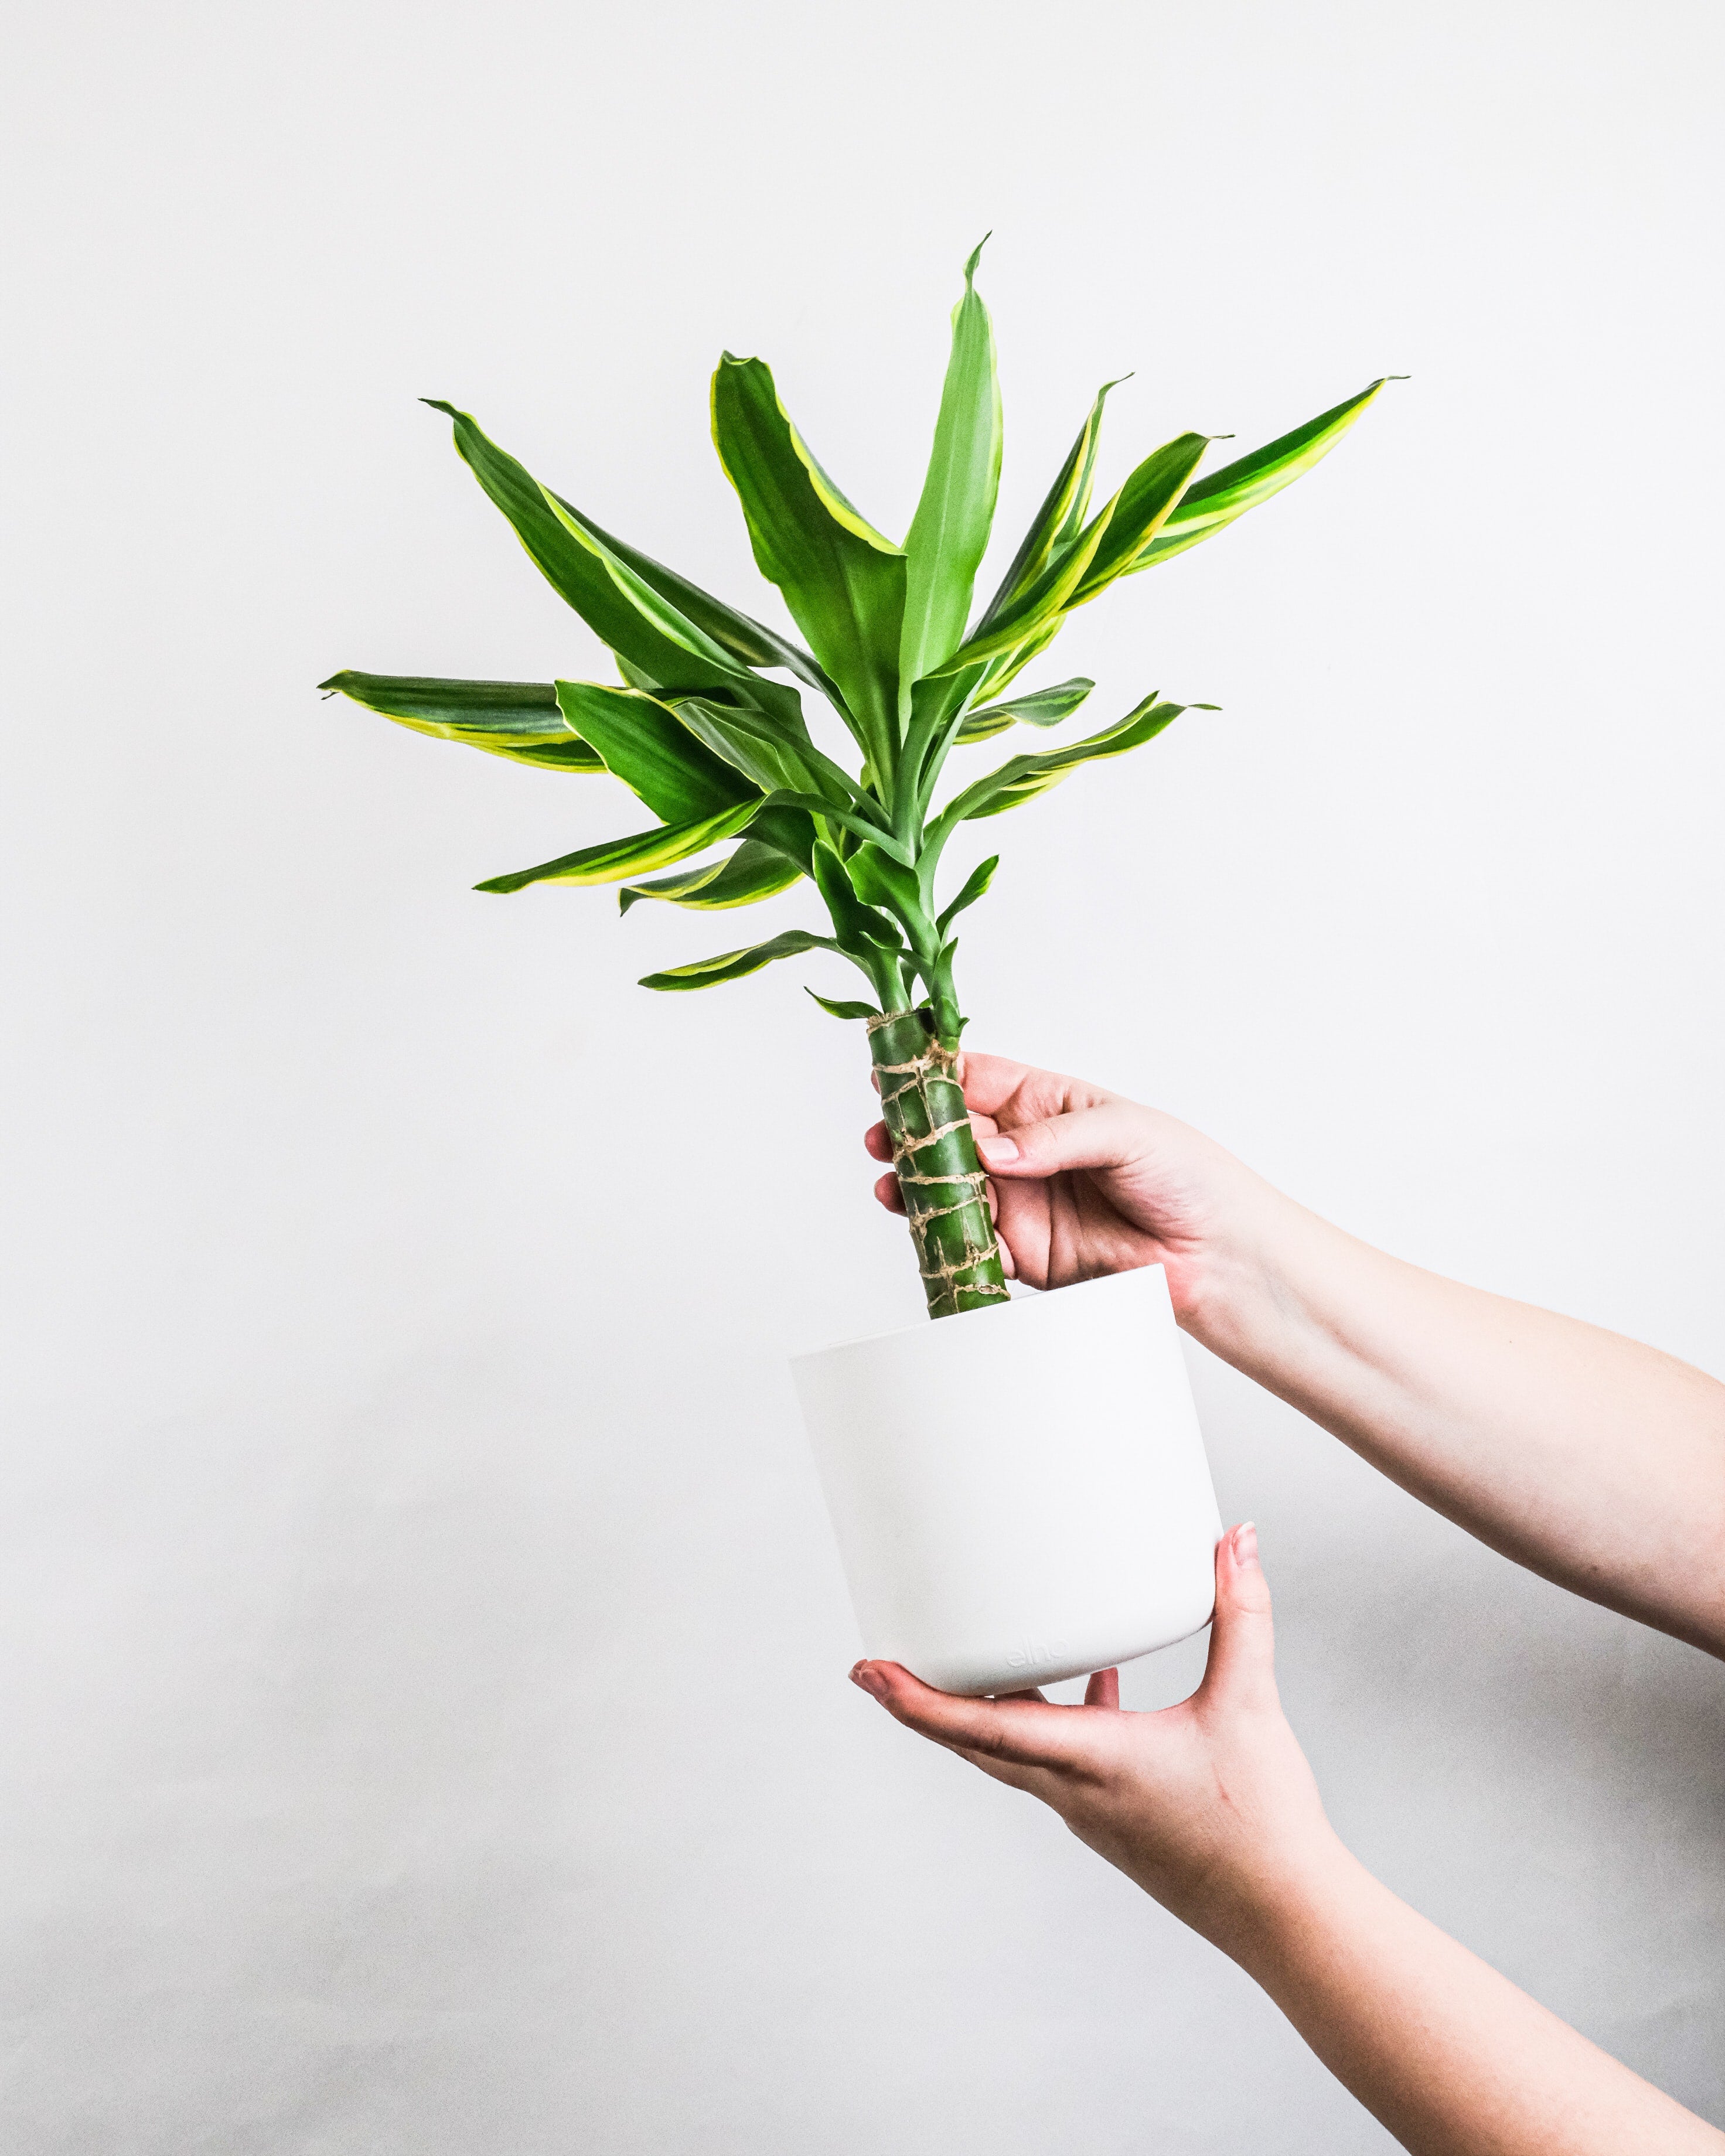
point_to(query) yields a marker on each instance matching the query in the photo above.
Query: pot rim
(1022, 1299)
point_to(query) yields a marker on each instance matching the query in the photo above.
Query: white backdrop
(422, 1652)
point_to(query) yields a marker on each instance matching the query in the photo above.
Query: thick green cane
(934, 1151)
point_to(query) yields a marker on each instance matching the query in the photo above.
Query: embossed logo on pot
(1035, 1650)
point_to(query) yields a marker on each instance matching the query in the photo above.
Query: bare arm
(1211, 1808)
(1592, 1460)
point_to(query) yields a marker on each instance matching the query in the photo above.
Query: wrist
(1266, 1915)
(1230, 1289)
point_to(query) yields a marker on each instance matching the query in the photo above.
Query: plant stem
(934, 1151)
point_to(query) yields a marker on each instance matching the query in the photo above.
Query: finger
(1103, 1690)
(985, 1127)
(1037, 1781)
(1009, 1263)
(989, 1081)
(889, 1194)
(877, 1139)
(1023, 1222)
(1108, 1136)
(1241, 1668)
(1018, 1733)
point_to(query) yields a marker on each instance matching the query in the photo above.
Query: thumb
(1241, 1670)
(1106, 1136)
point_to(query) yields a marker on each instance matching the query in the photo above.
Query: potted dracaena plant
(707, 731)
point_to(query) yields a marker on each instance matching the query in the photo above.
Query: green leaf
(1043, 708)
(520, 720)
(733, 965)
(1138, 511)
(653, 753)
(1039, 608)
(858, 927)
(882, 881)
(749, 641)
(975, 884)
(756, 746)
(1076, 572)
(618, 858)
(843, 1010)
(1110, 545)
(787, 830)
(949, 533)
(935, 702)
(1005, 667)
(1214, 502)
(1058, 521)
(842, 581)
(754, 871)
(1022, 777)
(947, 1020)
(860, 825)
(615, 602)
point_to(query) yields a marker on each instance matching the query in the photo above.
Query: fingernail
(870, 1680)
(997, 1151)
(1245, 1545)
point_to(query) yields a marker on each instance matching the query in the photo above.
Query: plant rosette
(706, 727)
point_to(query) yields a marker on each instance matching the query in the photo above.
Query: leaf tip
(976, 254)
(841, 1010)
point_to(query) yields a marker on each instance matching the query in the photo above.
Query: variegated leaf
(616, 859)
(1212, 504)
(949, 533)
(734, 965)
(1022, 777)
(520, 720)
(843, 581)
(622, 609)
(1058, 521)
(754, 871)
(1043, 708)
(647, 746)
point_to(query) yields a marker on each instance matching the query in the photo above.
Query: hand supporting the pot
(1592, 1460)
(1210, 1806)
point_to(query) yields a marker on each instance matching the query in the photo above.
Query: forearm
(1592, 1460)
(1448, 2054)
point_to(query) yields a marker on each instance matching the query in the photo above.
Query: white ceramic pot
(1019, 1494)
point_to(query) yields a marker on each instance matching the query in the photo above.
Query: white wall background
(422, 1654)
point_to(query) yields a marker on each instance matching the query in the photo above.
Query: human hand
(1209, 1806)
(1084, 1183)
